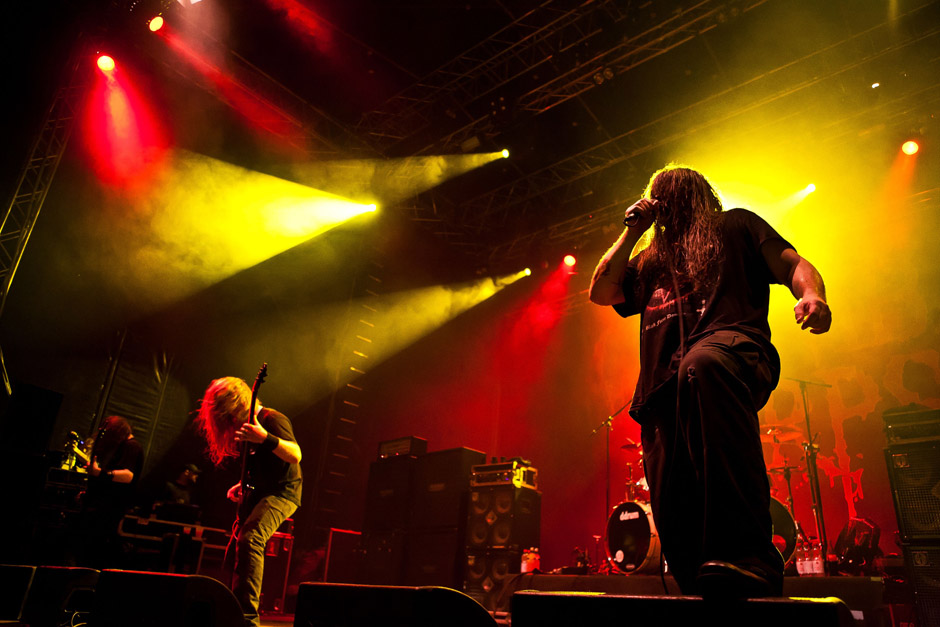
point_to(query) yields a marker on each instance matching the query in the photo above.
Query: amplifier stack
(416, 518)
(913, 459)
(503, 525)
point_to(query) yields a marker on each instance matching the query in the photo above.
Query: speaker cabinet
(143, 599)
(383, 558)
(441, 484)
(487, 573)
(344, 605)
(435, 558)
(388, 494)
(343, 556)
(914, 471)
(277, 556)
(14, 586)
(58, 595)
(923, 563)
(536, 609)
(503, 517)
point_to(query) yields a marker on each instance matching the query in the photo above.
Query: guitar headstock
(262, 373)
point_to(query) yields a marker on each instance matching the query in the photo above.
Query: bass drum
(632, 542)
(784, 529)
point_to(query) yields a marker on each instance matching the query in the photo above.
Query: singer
(273, 472)
(702, 288)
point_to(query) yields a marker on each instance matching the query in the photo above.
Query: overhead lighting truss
(534, 198)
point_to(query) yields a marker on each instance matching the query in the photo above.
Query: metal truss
(536, 197)
(37, 175)
(39, 171)
(531, 41)
(560, 51)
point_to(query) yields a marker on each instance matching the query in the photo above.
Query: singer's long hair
(685, 235)
(223, 409)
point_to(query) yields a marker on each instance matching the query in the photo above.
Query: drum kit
(631, 540)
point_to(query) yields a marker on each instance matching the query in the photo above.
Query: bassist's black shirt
(268, 474)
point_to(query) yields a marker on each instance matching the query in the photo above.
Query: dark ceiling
(590, 96)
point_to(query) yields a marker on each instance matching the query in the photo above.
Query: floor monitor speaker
(348, 605)
(142, 599)
(562, 609)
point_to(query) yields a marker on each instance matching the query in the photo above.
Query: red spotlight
(105, 63)
(570, 260)
(910, 147)
(156, 23)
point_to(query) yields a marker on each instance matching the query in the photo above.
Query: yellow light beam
(388, 180)
(206, 220)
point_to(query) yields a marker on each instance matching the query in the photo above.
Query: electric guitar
(246, 445)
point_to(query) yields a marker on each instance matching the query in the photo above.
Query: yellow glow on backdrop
(387, 180)
(855, 224)
(206, 220)
(403, 318)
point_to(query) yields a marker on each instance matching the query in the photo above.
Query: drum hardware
(775, 434)
(786, 530)
(784, 470)
(635, 485)
(632, 541)
(607, 425)
(811, 449)
(787, 476)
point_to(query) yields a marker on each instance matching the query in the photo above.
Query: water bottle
(817, 564)
(530, 561)
(800, 559)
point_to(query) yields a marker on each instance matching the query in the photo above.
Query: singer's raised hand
(641, 214)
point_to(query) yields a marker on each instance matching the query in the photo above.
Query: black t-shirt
(738, 301)
(268, 474)
(103, 491)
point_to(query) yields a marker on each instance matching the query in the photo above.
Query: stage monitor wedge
(143, 599)
(563, 609)
(348, 605)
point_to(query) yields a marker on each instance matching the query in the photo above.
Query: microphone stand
(811, 449)
(607, 424)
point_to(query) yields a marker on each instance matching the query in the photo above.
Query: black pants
(249, 538)
(704, 464)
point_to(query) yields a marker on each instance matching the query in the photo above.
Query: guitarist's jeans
(252, 535)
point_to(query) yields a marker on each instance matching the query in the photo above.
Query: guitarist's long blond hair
(224, 407)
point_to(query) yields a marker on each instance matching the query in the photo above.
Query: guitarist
(274, 477)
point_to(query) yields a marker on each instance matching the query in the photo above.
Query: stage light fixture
(156, 23)
(570, 260)
(527, 272)
(505, 153)
(910, 147)
(105, 63)
(875, 85)
(810, 188)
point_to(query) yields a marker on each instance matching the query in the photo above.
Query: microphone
(633, 218)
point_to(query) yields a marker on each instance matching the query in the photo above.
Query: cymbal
(779, 433)
(779, 470)
(632, 446)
